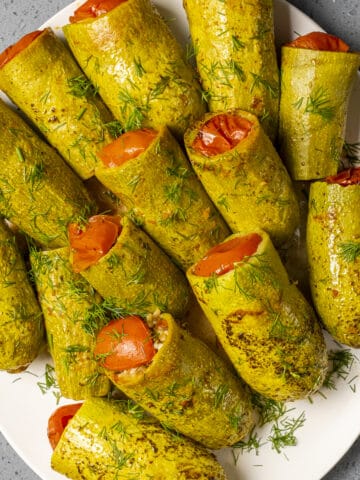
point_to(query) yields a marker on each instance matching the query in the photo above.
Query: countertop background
(18, 17)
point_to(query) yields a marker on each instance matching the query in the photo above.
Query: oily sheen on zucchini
(49, 87)
(248, 183)
(315, 88)
(162, 194)
(191, 390)
(21, 322)
(116, 439)
(130, 54)
(265, 325)
(38, 192)
(333, 244)
(138, 276)
(67, 301)
(234, 48)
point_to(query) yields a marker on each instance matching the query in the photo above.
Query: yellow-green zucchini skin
(315, 87)
(138, 276)
(333, 244)
(249, 185)
(235, 55)
(164, 196)
(66, 300)
(21, 322)
(108, 439)
(138, 66)
(191, 390)
(38, 192)
(49, 87)
(265, 325)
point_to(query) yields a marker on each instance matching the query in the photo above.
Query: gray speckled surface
(17, 17)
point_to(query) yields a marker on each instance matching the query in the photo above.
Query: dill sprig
(268, 410)
(283, 432)
(220, 394)
(341, 362)
(318, 103)
(251, 443)
(114, 128)
(50, 384)
(260, 81)
(349, 251)
(351, 152)
(81, 86)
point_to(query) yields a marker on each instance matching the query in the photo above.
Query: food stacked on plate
(147, 188)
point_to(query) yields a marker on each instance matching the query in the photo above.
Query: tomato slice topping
(129, 145)
(221, 258)
(124, 343)
(351, 176)
(93, 9)
(220, 134)
(320, 41)
(91, 242)
(10, 52)
(58, 421)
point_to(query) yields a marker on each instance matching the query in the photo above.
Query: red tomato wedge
(91, 242)
(11, 51)
(129, 145)
(351, 176)
(58, 421)
(220, 134)
(93, 9)
(124, 343)
(221, 259)
(320, 41)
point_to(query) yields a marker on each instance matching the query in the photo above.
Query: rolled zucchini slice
(139, 68)
(315, 88)
(162, 194)
(333, 244)
(265, 325)
(38, 192)
(116, 439)
(185, 385)
(46, 83)
(21, 322)
(137, 276)
(69, 306)
(243, 174)
(235, 56)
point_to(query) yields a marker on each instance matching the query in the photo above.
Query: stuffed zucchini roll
(243, 174)
(21, 323)
(43, 79)
(333, 242)
(235, 54)
(128, 51)
(68, 303)
(116, 439)
(265, 325)
(317, 73)
(38, 192)
(176, 378)
(154, 180)
(125, 266)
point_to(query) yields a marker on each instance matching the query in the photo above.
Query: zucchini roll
(125, 266)
(265, 325)
(150, 174)
(176, 378)
(235, 54)
(44, 80)
(69, 306)
(317, 73)
(333, 243)
(129, 53)
(38, 192)
(21, 323)
(243, 174)
(116, 439)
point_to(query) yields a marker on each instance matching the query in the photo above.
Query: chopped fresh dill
(318, 103)
(81, 86)
(220, 395)
(237, 43)
(114, 128)
(139, 69)
(341, 362)
(81, 113)
(351, 152)
(349, 251)
(34, 175)
(268, 410)
(211, 282)
(260, 81)
(50, 384)
(20, 154)
(283, 432)
(250, 444)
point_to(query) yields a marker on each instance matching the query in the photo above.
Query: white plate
(331, 425)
